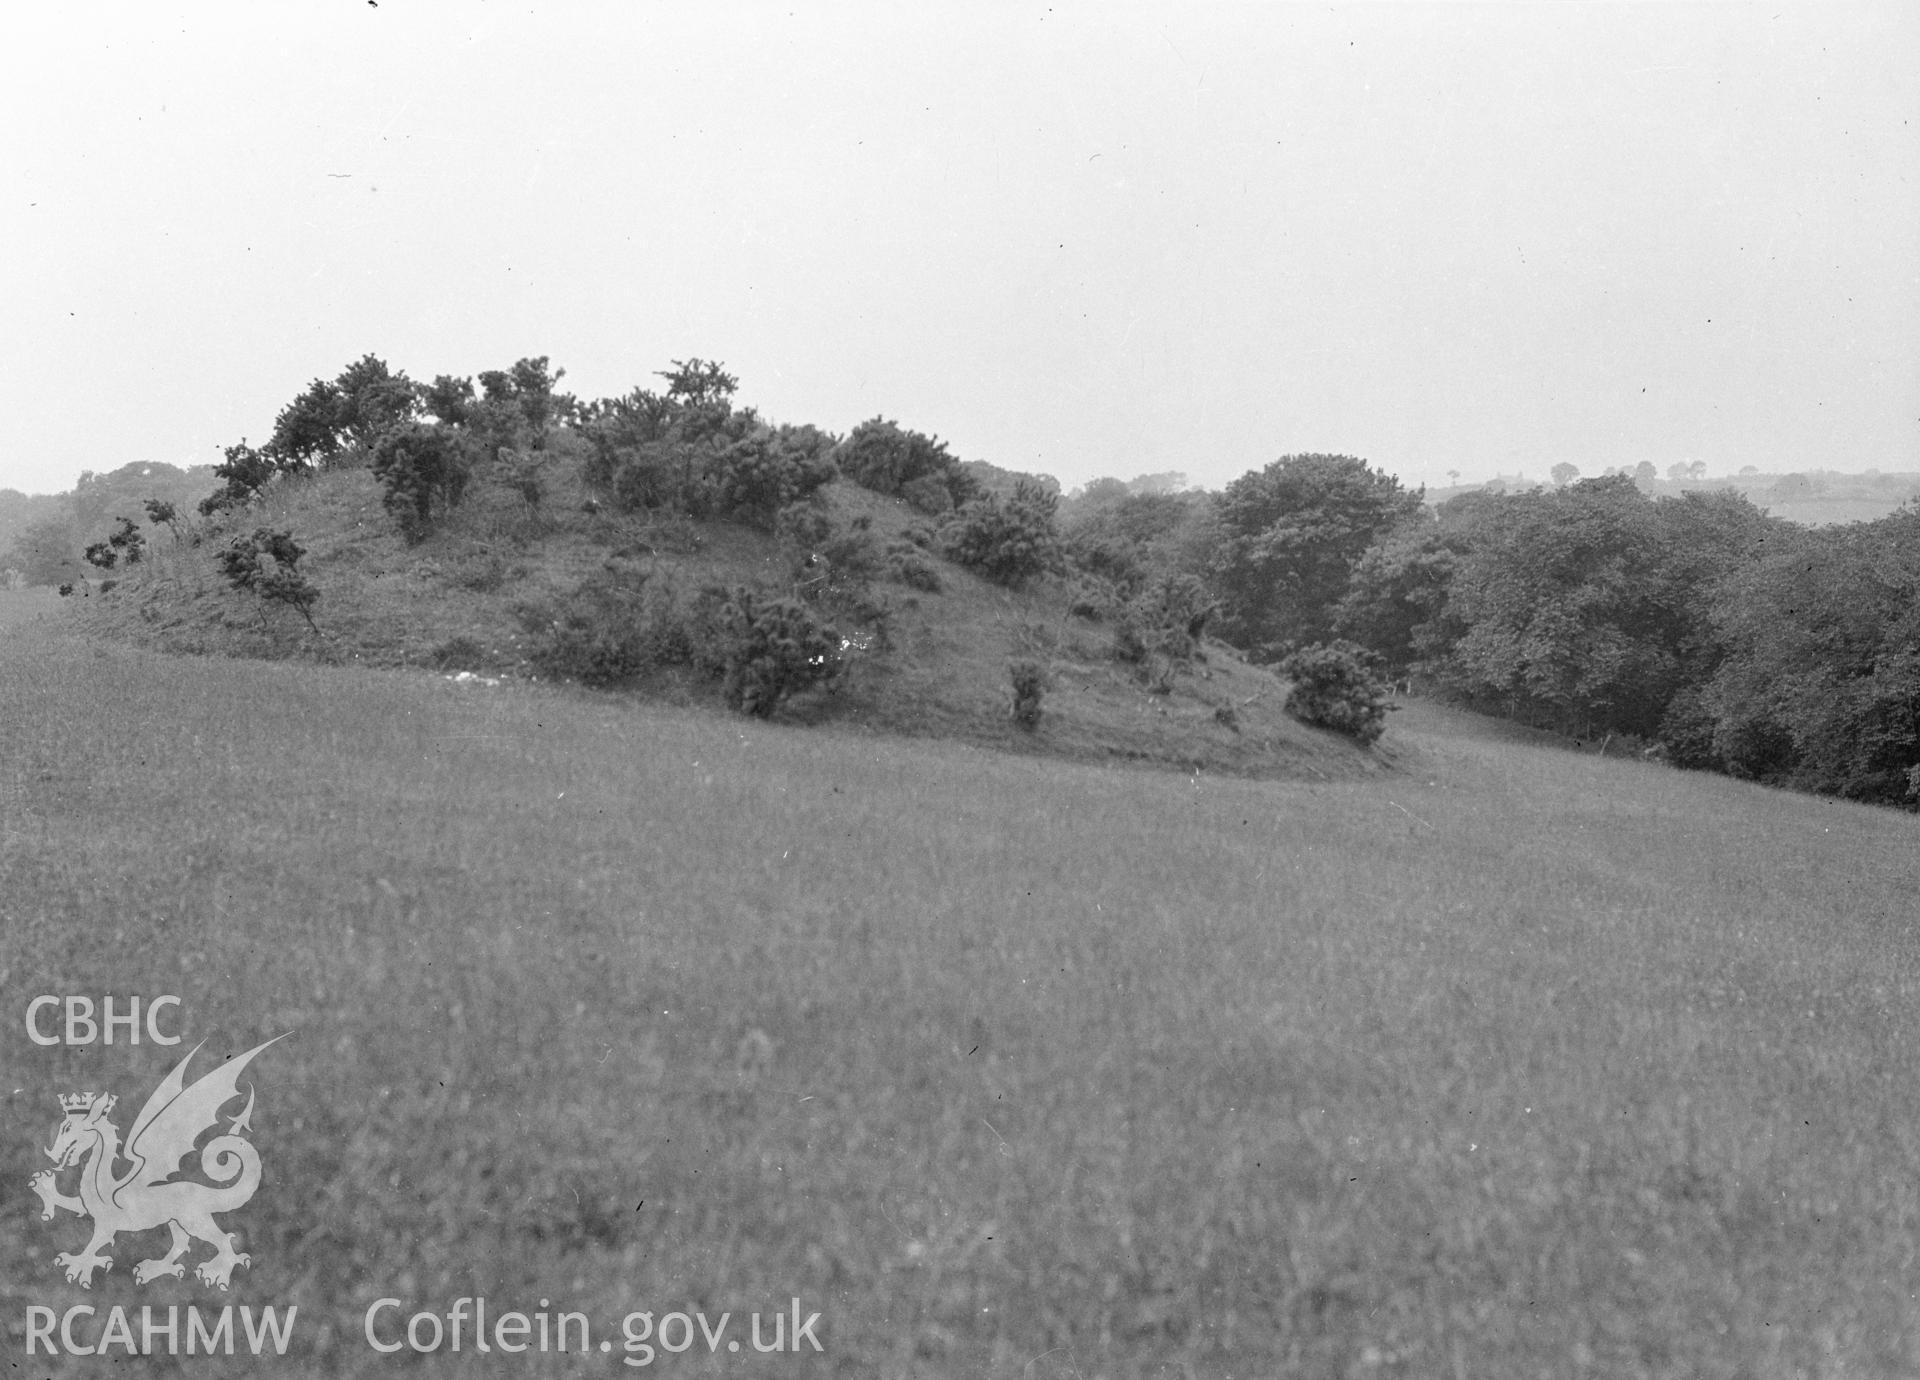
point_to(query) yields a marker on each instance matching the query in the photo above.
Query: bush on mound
(1334, 686)
(1008, 542)
(887, 458)
(778, 649)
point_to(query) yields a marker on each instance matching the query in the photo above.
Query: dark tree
(422, 468)
(243, 473)
(1290, 537)
(1819, 685)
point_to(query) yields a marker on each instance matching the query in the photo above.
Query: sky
(1080, 239)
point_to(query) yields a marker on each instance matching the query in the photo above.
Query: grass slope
(1531, 1064)
(460, 601)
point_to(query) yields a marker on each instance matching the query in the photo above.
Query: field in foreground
(1514, 1063)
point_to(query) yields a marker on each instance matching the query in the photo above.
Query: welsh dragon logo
(147, 1195)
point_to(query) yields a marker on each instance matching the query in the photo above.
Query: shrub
(910, 567)
(928, 494)
(615, 628)
(1168, 618)
(243, 472)
(1029, 685)
(420, 467)
(1008, 542)
(853, 551)
(1160, 629)
(833, 561)
(1093, 599)
(267, 564)
(1334, 686)
(776, 650)
(520, 472)
(766, 471)
(885, 457)
(653, 451)
(806, 525)
(160, 511)
(126, 539)
(647, 475)
(516, 406)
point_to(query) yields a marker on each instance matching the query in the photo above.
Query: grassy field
(1512, 1062)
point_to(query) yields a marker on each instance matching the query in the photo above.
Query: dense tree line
(1731, 640)
(1692, 623)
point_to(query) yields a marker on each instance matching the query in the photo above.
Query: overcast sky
(1081, 239)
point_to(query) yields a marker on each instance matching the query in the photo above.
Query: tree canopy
(1290, 536)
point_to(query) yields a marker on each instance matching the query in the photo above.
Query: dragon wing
(176, 1115)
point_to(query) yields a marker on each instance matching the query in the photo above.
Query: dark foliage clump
(777, 648)
(887, 458)
(853, 552)
(1160, 630)
(1029, 687)
(652, 450)
(1334, 686)
(806, 525)
(352, 410)
(159, 511)
(620, 626)
(765, 471)
(124, 541)
(912, 567)
(266, 563)
(1008, 542)
(243, 473)
(421, 468)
